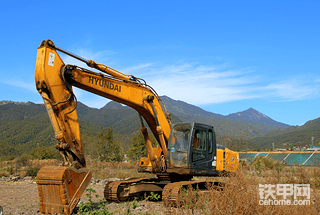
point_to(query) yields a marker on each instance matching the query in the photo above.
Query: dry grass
(19, 168)
(101, 170)
(239, 196)
(105, 170)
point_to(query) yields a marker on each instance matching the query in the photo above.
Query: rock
(112, 179)
(14, 178)
(3, 178)
(27, 179)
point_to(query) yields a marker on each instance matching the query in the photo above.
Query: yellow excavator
(184, 149)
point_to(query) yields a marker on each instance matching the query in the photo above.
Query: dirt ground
(21, 197)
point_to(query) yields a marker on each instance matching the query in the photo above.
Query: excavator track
(172, 193)
(118, 191)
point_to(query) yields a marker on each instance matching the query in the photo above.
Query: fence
(289, 158)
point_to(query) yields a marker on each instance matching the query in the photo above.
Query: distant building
(313, 148)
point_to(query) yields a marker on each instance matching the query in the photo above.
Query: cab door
(178, 145)
(203, 150)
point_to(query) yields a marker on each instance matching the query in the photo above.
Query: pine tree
(138, 146)
(104, 147)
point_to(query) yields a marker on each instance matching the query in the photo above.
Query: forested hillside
(24, 126)
(247, 126)
(292, 136)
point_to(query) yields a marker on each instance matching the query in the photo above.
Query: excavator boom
(61, 187)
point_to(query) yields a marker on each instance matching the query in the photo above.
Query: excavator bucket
(60, 188)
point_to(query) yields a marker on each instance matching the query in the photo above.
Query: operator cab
(192, 149)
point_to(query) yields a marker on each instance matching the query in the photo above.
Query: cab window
(200, 140)
(199, 145)
(210, 144)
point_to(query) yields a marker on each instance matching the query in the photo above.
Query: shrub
(32, 171)
(263, 163)
(23, 159)
(93, 208)
(154, 196)
(104, 147)
(10, 169)
(42, 153)
(7, 158)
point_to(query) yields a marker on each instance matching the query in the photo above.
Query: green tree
(42, 153)
(138, 147)
(104, 147)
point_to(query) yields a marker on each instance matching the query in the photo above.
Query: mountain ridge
(291, 136)
(247, 115)
(178, 108)
(27, 124)
(256, 116)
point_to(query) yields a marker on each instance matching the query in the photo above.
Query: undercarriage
(126, 190)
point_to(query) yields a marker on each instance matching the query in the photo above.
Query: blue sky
(223, 56)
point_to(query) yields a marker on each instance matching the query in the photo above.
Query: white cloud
(203, 85)
(135, 69)
(90, 99)
(21, 84)
(292, 90)
(198, 84)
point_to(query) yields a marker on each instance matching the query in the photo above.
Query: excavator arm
(60, 188)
